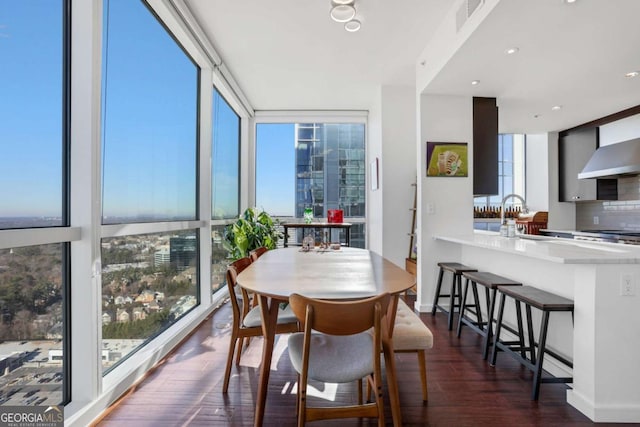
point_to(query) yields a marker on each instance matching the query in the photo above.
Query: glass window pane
(219, 260)
(32, 325)
(150, 94)
(510, 172)
(31, 106)
(149, 281)
(275, 164)
(226, 160)
(317, 165)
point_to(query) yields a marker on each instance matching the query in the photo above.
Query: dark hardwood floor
(185, 390)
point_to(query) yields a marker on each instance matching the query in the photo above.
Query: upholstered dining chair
(257, 253)
(339, 351)
(246, 319)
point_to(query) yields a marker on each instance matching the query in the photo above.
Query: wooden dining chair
(339, 351)
(257, 253)
(247, 321)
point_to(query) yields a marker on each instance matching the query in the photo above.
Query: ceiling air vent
(467, 8)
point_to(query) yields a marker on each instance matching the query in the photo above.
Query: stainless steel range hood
(613, 161)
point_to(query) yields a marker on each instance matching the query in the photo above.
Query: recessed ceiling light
(633, 74)
(343, 1)
(511, 50)
(556, 108)
(352, 26)
(570, 1)
(343, 13)
(475, 82)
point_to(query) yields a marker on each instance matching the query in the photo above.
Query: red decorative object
(334, 215)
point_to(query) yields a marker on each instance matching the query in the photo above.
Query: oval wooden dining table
(347, 273)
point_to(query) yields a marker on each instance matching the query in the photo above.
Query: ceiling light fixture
(511, 50)
(632, 74)
(556, 108)
(569, 1)
(343, 12)
(475, 82)
(352, 26)
(343, 1)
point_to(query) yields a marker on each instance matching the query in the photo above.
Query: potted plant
(253, 229)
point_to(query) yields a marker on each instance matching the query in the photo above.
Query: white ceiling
(289, 55)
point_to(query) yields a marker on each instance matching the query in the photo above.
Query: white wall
(398, 169)
(537, 172)
(620, 130)
(391, 139)
(374, 197)
(445, 205)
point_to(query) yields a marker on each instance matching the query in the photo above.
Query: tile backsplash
(621, 214)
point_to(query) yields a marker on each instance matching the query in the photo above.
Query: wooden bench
(411, 335)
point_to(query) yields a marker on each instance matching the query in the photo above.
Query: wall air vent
(467, 8)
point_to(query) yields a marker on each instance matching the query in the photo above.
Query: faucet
(525, 209)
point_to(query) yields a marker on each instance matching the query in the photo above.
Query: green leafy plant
(253, 229)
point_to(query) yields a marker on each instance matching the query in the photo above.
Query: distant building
(122, 315)
(153, 306)
(139, 314)
(162, 257)
(106, 318)
(55, 355)
(146, 296)
(183, 251)
(330, 171)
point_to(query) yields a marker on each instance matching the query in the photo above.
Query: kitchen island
(604, 340)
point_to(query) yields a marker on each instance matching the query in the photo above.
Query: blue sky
(149, 118)
(226, 148)
(30, 108)
(149, 108)
(275, 168)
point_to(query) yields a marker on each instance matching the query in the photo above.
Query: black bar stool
(546, 302)
(456, 269)
(490, 282)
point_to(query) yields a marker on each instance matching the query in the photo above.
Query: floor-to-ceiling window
(34, 208)
(511, 179)
(312, 165)
(225, 185)
(102, 215)
(149, 156)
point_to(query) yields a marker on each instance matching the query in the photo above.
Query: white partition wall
(445, 204)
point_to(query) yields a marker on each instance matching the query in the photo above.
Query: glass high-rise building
(330, 171)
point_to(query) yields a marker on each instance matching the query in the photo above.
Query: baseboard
(422, 308)
(604, 413)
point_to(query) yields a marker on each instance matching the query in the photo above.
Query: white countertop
(563, 251)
